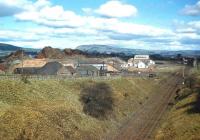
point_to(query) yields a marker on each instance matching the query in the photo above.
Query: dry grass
(183, 121)
(54, 110)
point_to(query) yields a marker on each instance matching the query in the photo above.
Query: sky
(136, 24)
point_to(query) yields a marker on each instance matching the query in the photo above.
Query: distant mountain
(111, 49)
(6, 49)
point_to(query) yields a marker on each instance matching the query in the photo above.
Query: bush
(24, 79)
(97, 100)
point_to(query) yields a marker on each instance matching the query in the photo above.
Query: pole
(22, 61)
(183, 75)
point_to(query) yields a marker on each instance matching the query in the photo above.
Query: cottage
(87, 70)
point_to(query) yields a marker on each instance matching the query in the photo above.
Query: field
(183, 120)
(69, 109)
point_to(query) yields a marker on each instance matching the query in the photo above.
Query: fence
(64, 77)
(54, 77)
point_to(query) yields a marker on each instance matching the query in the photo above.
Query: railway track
(144, 121)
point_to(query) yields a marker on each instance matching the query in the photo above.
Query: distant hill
(8, 47)
(112, 49)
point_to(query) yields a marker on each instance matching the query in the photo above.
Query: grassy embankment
(70, 109)
(183, 121)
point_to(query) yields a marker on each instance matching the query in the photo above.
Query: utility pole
(22, 59)
(183, 74)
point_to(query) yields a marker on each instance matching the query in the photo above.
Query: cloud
(52, 16)
(58, 27)
(187, 27)
(87, 10)
(116, 9)
(10, 7)
(188, 34)
(15, 35)
(192, 10)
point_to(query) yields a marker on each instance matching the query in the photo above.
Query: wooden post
(22, 62)
(183, 75)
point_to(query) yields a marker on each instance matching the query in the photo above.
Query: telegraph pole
(183, 74)
(22, 59)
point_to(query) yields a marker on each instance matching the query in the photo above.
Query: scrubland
(69, 109)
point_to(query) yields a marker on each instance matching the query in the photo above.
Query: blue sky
(140, 24)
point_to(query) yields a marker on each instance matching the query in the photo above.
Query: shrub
(24, 79)
(97, 100)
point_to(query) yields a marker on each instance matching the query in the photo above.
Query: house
(100, 66)
(87, 70)
(28, 63)
(141, 65)
(130, 62)
(140, 61)
(67, 70)
(51, 68)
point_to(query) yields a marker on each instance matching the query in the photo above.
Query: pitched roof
(50, 68)
(86, 67)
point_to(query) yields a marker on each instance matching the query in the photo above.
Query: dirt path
(146, 119)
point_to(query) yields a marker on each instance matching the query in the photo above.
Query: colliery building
(140, 61)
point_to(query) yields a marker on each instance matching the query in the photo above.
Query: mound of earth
(16, 55)
(52, 53)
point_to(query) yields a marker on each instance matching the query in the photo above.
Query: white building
(141, 65)
(140, 61)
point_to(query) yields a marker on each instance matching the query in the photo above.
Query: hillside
(69, 109)
(183, 121)
(8, 47)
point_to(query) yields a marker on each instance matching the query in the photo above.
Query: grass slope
(54, 110)
(183, 121)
